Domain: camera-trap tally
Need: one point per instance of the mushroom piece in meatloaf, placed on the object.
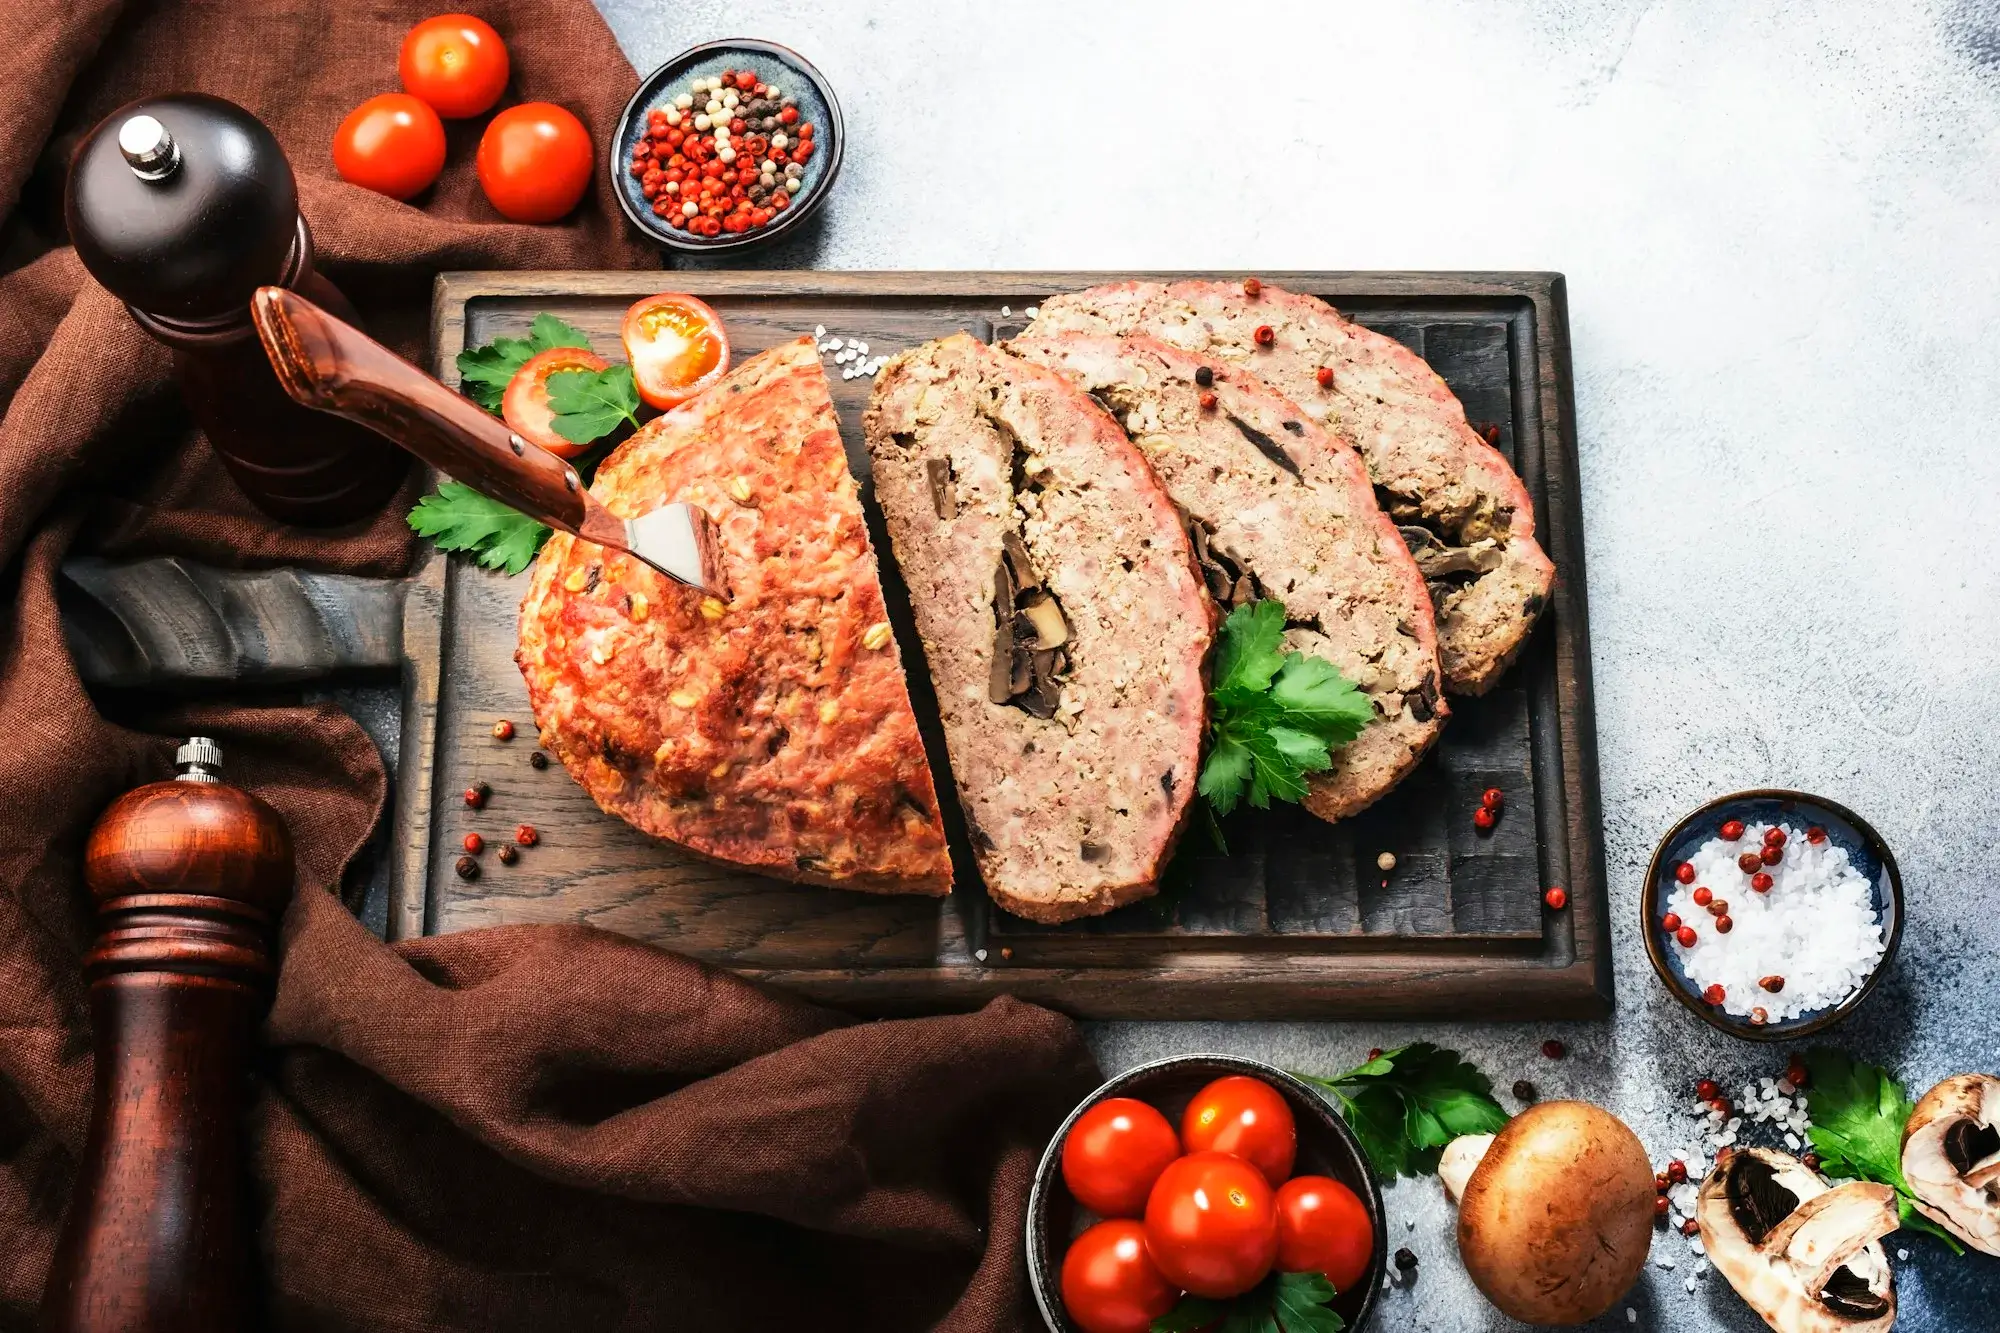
(1277, 508)
(1062, 619)
(772, 731)
(1466, 516)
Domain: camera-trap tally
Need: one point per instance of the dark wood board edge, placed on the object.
(1214, 985)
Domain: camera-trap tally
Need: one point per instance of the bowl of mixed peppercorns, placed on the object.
(727, 145)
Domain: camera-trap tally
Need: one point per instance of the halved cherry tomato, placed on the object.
(1323, 1227)
(455, 62)
(1212, 1225)
(392, 144)
(534, 162)
(676, 346)
(1114, 1153)
(525, 404)
(1245, 1116)
(1109, 1284)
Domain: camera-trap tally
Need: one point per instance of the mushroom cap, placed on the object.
(1958, 1116)
(1555, 1222)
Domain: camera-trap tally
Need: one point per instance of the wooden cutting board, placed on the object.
(1296, 921)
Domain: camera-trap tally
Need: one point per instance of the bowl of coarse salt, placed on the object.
(1772, 914)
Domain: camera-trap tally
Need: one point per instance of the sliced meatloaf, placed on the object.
(1466, 516)
(771, 731)
(1278, 508)
(1062, 618)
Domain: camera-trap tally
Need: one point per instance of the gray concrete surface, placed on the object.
(1780, 228)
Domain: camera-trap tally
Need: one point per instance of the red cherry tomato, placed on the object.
(1245, 1116)
(1114, 1153)
(392, 144)
(455, 62)
(534, 162)
(1109, 1284)
(1212, 1225)
(677, 348)
(1323, 1227)
(525, 404)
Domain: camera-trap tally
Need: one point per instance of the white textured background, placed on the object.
(1779, 227)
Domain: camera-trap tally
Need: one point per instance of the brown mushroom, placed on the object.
(1804, 1255)
(1555, 1211)
(1951, 1157)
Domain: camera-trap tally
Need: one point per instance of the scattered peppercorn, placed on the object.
(1774, 837)
(476, 794)
(1732, 829)
(1324, 376)
(1204, 376)
(1719, 907)
(1708, 1089)
(1554, 1049)
(1386, 862)
(474, 844)
(1252, 288)
(1762, 881)
(1686, 936)
(1721, 1107)
(1375, 1053)
(1759, 1016)
(1006, 952)
(1406, 1260)
(1773, 984)
(1557, 899)
(1772, 855)
(539, 759)
(1703, 896)
(1724, 923)
(1677, 1171)
(509, 854)
(1484, 819)
(1493, 798)
(468, 869)
(1208, 400)
(1264, 335)
(526, 835)
(1524, 1091)
(503, 730)
(1660, 1182)
(1659, 1205)
(1684, 872)
(1815, 835)
(1749, 863)
(730, 162)
(1492, 433)
(1795, 1073)
(1671, 922)
(1810, 1161)
(1690, 1228)
(1715, 994)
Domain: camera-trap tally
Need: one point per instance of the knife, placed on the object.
(326, 363)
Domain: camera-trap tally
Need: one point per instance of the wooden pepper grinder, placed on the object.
(182, 206)
(188, 879)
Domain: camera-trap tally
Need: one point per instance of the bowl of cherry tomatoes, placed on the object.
(1202, 1187)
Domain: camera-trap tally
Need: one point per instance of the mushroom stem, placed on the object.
(1461, 1157)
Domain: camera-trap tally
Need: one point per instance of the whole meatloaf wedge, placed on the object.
(1278, 508)
(1466, 516)
(772, 731)
(1062, 619)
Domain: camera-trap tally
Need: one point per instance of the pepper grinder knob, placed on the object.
(149, 149)
(198, 760)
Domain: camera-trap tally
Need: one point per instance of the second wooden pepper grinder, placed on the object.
(188, 879)
(182, 206)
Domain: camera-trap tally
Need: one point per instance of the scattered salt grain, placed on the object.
(1816, 928)
(1902, 1254)
(819, 330)
(1005, 311)
(1631, 1315)
(1032, 312)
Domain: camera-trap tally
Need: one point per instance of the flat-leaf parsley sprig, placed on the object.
(1405, 1105)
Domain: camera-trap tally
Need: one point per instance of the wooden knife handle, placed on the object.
(327, 363)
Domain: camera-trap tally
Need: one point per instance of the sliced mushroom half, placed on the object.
(1951, 1157)
(1804, 1255)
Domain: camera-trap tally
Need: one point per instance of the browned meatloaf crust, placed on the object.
(772, 731)
(1281, 509)
(1465, 514)
(1062, 618)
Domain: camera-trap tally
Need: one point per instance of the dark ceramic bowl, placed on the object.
(1865, 851)
(1326, 1148)
(784, 69)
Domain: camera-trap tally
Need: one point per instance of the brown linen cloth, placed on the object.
(515, 1129)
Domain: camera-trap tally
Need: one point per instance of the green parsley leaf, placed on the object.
(458, 518)
(483, 371)
(1274, 717)
(1192, 1314)
(590, 404)
(1281, 1303)
(1406, 1105)
(1300, 1302)
(1859, 1112)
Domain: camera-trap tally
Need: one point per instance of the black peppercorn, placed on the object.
(468, 869)
(1406, 1260)
(1204, 376)
(538, 759)
(1524, 1091)
(509, 854)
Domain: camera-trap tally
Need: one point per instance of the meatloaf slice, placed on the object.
(1062, 618)
(1278, 508)
(1466, 516)
(772, 731)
